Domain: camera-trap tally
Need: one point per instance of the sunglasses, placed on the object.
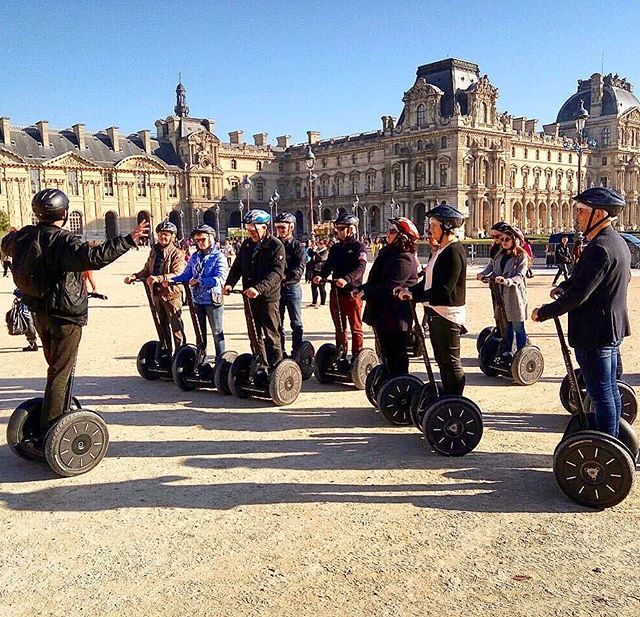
(506, 238)
(392, 230)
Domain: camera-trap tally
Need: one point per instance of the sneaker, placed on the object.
(31, 347)
(312, 306)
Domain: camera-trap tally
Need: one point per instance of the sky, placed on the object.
(285, 67)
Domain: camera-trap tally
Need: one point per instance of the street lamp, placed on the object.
(273, 203)
(364, 219)
(310, 162)
(246, 183)
(198, 213)
(355, 205)
(181, 230)
(217, 211)
(241, 207)
(319, 210)
(582, 142)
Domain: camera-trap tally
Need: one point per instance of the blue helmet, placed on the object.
(166, 226)
(259, 217)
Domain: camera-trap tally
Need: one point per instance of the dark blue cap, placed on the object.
(601, 197)
(444, 211)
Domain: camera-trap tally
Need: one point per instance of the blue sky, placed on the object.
(287, 67)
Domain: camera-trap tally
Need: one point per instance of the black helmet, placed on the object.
(204, 229)
(166, 226)
(285, 217)
(499, 226)
(346, 219)
(449, 217)
(602, 198)
(50, 205)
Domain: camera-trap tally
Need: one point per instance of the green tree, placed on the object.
(4, 221)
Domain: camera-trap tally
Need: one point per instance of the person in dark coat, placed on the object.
(443, 291)
(595, 299)
(395, 266)
(563, 259)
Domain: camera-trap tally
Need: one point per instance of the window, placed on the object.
(513, 150)
(396, 178)
(338, 161)
(108, 184)
(75, 223)
(604, 136)
(234, 190)
(570, 157)
(526, 153)
(559, 157)
(324, 162)
(604, 161)
(419, 175)
(548, 155)
(338, 186)
(34, 176)
(324, 187)
(354, 159)
(72, 180)
(371, 183)
(537, 155)
(234, 164)
(421, 115)
(443, 174)
(260, 191)
(205, 183)
(485, 113)
(141, 183)
(370, 156)
(444, 142)
(604, 181)
(173, 186)
(354, 184)
(396, 149)
(258, 165)
(280, 166)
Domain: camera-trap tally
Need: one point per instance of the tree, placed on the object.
(4, 221)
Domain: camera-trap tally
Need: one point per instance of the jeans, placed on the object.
(515, 328)
(599, 367)
(291, 301)
(214, 315)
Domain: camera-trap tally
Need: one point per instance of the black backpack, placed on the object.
(29, 270)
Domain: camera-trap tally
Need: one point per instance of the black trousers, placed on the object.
(266, 317)
(314, 293)
(562, 269)
(60, 342)
(445, 340)
(393, 346)
(6, 266)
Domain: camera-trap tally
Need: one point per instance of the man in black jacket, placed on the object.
(54, 290)
(347, 262)
(595, 298)
(563, 259)
(291, 292)
(260, 262)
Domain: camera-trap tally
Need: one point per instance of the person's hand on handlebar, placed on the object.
(193, 282)
(128, 280)
(556, 292)
(402, 293)
(317, 280)
(227, 289)
(357, 294)
(153, 279)
(251, 293)
(481, 277)
(500, 280)
(341, 283)
(534, 315)
(141, 230)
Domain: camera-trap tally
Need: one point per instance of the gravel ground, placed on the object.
(209, 505)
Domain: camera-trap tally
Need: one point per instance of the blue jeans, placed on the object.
(214, 314)
(515, 328)
(291, 300)
(599, 367)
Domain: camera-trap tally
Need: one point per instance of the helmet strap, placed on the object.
(591, 226)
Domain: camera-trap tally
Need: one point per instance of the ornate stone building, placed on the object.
(450, 143)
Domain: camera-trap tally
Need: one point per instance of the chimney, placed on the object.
(145, 138)
(313, 137)
(78, 130)
(114, 136)
(236, 137)
(530, 126)
(284, 141)
(43, 129)
(596, 95)
(5, 129)
(518, 124)
(260, 139)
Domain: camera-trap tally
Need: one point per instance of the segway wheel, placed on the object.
(76, 443)
(221, 371)
(239, 375)
(377, 376)
(485, 333)
(304, 357)
(322, 362)
(567, 397)
(394, 398)
(146, 359)
(285, 382)
(487, 356)
(421, 401)
(453, 425)
(593, 469)
(629, 402)
(184, 366)
(527, 366)
(23, 430)
(361, 367)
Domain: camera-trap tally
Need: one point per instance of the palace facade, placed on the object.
(450, 143)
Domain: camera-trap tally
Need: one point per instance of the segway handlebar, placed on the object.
(573, 381)
(95, 294)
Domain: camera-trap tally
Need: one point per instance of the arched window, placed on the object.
(604, 136)
(75, 223)
(110, 225)
(419, 175)
(234, 164)
(259, 165)
(421, 115)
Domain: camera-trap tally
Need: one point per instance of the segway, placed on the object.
(527, 364)
(592, 468)
(74, 444)
(251, 375)
(331, 363)
(627, 393)
(154, 359)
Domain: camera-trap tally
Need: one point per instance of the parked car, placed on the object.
(634, 248)
(554, 240)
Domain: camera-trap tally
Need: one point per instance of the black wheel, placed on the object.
(23, 430)
(421, 401)
(184, 366)
(76, 443)
(629, 401)
(376, 377)
(239, 374)
(567, 397)
(146, 359)
(304, 356)
(487, 356)
(453, 425)
(285, 382)
(361, 367)
(593, 469)
(323, 361)
(485, 333)
(221, 371)
(527, 366)
(394, 398)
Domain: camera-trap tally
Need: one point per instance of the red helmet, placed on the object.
(515, 233)
(406, 227)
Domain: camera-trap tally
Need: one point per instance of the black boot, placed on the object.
(31, 347)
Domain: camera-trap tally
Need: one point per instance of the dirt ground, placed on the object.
(209, 505)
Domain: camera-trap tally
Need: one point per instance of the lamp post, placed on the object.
(319, 211)
(273, 203)
(582, 142)
(364, 219)
(247, 184)
(241, 208)
(181, 230)
(198, 213)
(217, 211)
(310, 162)
(355, 206)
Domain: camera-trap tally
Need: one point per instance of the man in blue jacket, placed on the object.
(206, 272)
(595, 298)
